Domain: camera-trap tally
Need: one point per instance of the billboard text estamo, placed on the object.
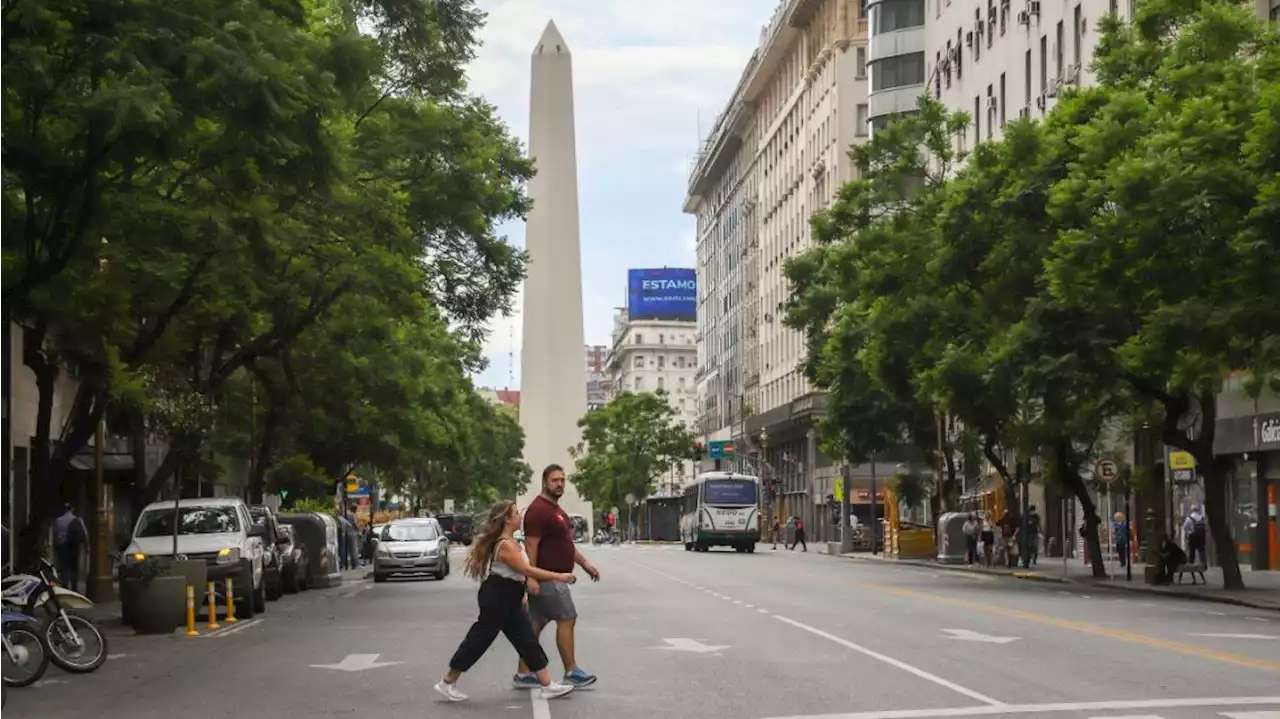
(662, 294)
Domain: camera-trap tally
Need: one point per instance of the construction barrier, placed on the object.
(231, 602)
(213, 605)
(191, 612)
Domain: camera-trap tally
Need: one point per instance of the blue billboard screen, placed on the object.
(665, 294)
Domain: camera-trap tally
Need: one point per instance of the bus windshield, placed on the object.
(729, 492)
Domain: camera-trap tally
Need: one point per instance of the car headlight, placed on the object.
(135, 558)
(384, 551)
(228, 555)
(431, 552)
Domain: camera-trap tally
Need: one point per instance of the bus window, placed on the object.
(729, 492)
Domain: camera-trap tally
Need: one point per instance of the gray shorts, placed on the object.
(552, 603)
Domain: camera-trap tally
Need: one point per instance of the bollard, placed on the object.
(231, 602)
(191, 612)
(213, 606)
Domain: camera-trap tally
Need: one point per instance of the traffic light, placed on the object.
(697, 451)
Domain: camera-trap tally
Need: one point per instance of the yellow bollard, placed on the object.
(213, 606)
(191, 612)
(231, 602)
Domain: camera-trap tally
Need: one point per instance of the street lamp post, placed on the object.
(765, 480)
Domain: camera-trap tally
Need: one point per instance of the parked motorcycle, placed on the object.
(25, 656)
(75, 643)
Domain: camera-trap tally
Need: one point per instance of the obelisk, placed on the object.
(553, 375)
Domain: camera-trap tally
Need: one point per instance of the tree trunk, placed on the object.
(1069, 474)
(44, 493)
(258, 482)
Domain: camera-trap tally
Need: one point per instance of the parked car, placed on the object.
(412, 546)
(294, 567)
(458, 528)
(319, 536)
(270, 551)
(217, 530)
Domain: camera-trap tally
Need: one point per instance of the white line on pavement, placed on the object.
(1131, 716)
(1251, 715)
(541, 710)
(1037, 708)
(239, 626)
(893, 662)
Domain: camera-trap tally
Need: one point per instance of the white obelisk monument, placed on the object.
(553, 375)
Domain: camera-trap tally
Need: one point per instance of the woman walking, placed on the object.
(502, 565)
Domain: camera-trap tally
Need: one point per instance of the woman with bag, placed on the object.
(501, 565)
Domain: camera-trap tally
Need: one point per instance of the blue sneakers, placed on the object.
(525, 681)
(579, 678)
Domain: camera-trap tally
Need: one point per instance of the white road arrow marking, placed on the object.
(356, 663)
(1240, 636)
(690, 645)
(968, 635)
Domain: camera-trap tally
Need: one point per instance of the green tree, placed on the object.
(1171, 247)
(626, 445)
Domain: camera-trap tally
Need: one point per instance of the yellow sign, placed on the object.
(839, 490)
(1181, 460)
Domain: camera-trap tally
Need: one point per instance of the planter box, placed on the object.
(194, 573)
(155, 606)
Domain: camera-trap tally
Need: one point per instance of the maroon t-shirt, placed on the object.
(551, 525)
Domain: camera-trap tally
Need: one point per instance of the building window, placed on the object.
(662, 359)
(898, 15)
(861, 67)
(1076, 30)
(990, 114)
(639, 338)
(1026, 79)
(639, 363)
(860, 122)
(898, 71)
(661, 340)
(680, 383)
(977, 120)
(661, 384)
(639, 383)
(1002, 94)
(1044, 64)
(1058, 50)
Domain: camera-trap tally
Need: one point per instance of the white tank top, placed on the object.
(502, 569)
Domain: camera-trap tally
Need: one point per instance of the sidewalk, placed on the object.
(1262, 588)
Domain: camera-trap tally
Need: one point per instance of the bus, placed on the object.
(721, 509)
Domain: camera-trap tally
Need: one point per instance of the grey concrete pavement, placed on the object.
(718, 634)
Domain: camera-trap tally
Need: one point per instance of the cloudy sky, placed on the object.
(650, 77)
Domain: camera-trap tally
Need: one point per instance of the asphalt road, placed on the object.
(769, 635)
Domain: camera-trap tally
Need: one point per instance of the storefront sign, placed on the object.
(1266, 430)
(1257, 433)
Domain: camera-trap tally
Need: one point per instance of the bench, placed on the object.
(1194, 570)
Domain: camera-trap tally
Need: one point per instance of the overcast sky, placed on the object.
(650, 77)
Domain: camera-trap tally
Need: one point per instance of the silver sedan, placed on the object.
(411, 546)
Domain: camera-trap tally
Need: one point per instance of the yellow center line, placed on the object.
(1097, 630)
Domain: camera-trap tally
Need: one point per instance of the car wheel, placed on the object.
(244, 600)
(260, 597)
(379, 578)
(274, 587)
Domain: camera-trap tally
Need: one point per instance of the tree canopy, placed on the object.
(290, 210)
(1054, 287)
(626, 445)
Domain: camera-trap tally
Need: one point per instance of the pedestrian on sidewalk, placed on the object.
(777, 529)
(1008, 538)
(988, 541)
(972, 529)
(1031, 542)
(69, 536)
(1121, 538)
(799, 536)
(1197, 531)
(501, 566)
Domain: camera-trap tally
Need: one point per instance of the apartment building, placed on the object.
(650, 355)
(777, 154)
(897, 57)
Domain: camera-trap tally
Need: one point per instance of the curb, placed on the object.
(1101, 584)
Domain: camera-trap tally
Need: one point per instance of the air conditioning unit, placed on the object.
(991, 102)
(968, 39)
(1073, 75)
(1033, 7)
(954, 55)
(1054, 85)
(1024, 111)
(1024, 18)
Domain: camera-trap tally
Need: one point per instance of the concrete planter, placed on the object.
(154, 606)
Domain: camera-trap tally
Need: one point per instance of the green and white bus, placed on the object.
(721, 509)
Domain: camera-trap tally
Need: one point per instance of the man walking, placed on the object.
(548, 540)
(69, 535)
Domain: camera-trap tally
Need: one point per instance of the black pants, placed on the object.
(800, 540)
(501, 610)
(1196, 547)
(970, 549)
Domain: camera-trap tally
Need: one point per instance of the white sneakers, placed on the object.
(554, 690)
(450, 691)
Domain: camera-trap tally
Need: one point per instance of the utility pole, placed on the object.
(846, 512)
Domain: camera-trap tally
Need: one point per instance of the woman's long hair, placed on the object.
(486, 544)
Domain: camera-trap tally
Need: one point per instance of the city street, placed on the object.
(768, 635)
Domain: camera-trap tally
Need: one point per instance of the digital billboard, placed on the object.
(662, 294)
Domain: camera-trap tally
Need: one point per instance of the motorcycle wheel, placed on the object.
(65, 654)
(37, 656)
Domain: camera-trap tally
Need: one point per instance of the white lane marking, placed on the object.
(541, 710)
(763, 611)
(1259, 619)
(1239, 636)
(1035, 708)
(1131, 716)
(892, 662)
(1250, 715)
(749, 606)
(239, 626)
(737, 601)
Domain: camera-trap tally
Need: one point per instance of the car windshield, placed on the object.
(729, 491)
(409, 532)
(191, 520)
